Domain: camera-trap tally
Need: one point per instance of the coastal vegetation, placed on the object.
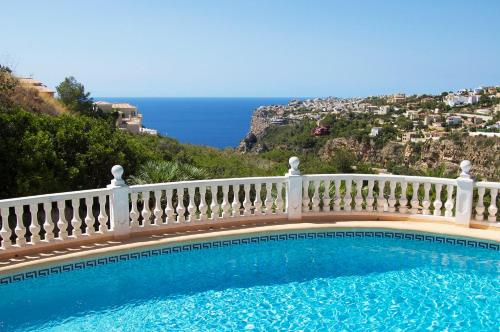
(52, 145)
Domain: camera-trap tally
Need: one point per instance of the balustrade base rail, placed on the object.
(119, 211)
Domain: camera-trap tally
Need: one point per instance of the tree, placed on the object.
(343, 160)
(485, 100)
(72, 94)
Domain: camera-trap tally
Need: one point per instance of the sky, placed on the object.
(254, 48)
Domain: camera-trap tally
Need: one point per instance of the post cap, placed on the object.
(294, 166)
(117, 172)
(465, 166)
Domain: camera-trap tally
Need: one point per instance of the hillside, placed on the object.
(46, 146)
(349, 138)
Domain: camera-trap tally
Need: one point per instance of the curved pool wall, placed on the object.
(242, 240)
(349, 279)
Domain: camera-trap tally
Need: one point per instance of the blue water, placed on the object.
(353, 284)
(217, 122)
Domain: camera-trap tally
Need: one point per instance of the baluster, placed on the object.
(34, 226)
(20, 230)
(235, 206)
(203, 203)
(279, 197)
(369, 197)
(269, 199)
(426, 203)
(347, 196)
(181, 209)
(359, 196)
(326, 196)
(103, 217)
(5, 232)
(191, 206)
(48, 224)
(492, 209)
(403, 200)
(257, 202)
(62, 224)
(336, 202)
(214, 205)
(392, 196)
(381, 197)
(158, 211)
(315, 199)
(146, 211)
(247, 203)
(225, 206)
(480, 204)
(89, 218)
(415, 203)
(437, 202)
(306, 200)
(169, 209)
(76, 221)
(134, 212)
(449, 201)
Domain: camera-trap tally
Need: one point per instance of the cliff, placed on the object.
(484, 153)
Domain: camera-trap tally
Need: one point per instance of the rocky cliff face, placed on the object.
(258, 125)
(484, 153)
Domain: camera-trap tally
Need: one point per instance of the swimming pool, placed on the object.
(336, 280)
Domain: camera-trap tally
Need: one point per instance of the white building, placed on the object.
(459, 100)
(375, 131)
(129, 118)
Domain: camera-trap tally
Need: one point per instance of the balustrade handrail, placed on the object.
(55, 197)
(197, 183)
(124, 210)
(385, 177)
(486, 184)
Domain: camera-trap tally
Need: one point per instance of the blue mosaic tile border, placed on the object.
(242, 241)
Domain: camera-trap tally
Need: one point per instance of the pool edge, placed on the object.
(166, 240)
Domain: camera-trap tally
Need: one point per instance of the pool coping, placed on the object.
(109, 248)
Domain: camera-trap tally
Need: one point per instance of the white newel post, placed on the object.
(465, 187)
(118, 204)
(294, 190)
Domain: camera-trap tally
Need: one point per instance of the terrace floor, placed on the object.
(166, 237)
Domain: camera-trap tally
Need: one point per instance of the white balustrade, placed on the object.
(43, 220)
(121, 210)
(366, 201)
(487, 191)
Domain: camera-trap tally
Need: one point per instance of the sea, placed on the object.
(216, 122)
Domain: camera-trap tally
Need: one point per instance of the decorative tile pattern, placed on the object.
(245, 241)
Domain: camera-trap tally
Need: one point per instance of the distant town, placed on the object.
(428, 116)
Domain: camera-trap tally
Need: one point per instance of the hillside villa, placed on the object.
(129, 118)
(31, 83)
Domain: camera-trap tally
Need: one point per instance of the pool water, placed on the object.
(354, 284)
